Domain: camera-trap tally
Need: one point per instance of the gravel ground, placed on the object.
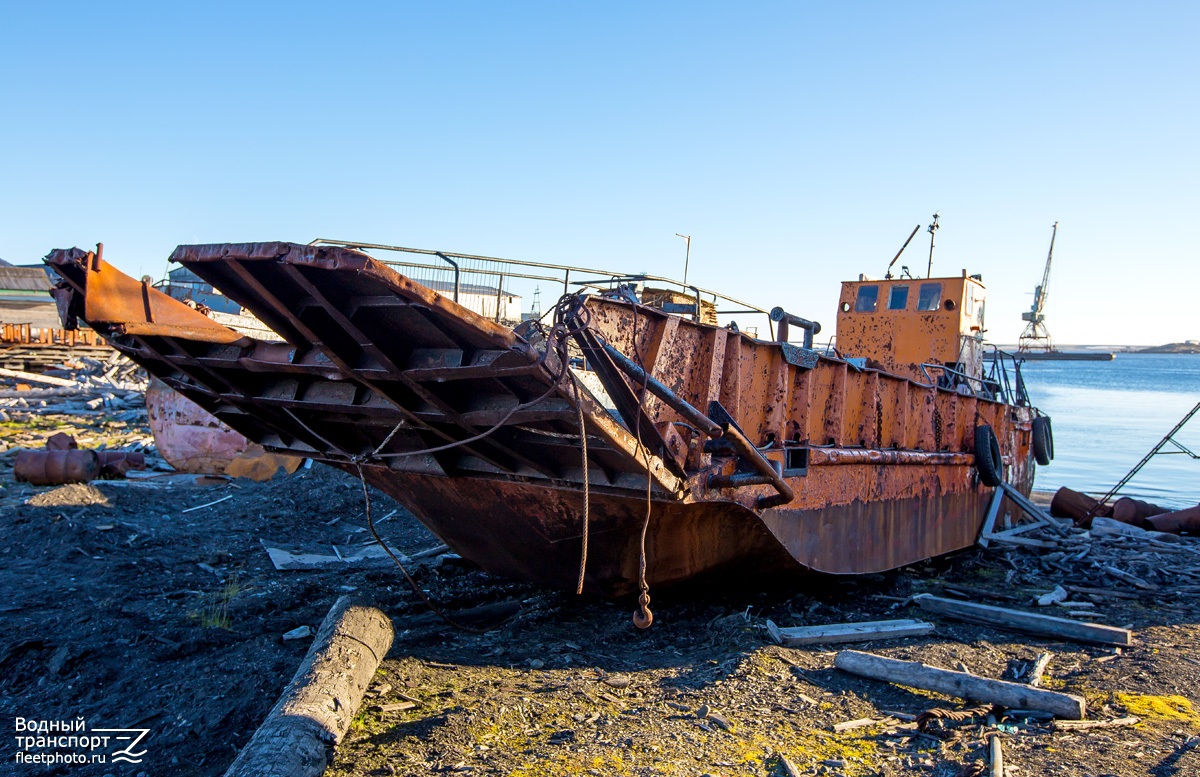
(122, 609)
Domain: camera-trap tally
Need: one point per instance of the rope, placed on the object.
(946, 715)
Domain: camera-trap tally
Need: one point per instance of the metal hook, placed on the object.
(642, 617)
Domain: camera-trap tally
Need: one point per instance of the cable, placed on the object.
(556, 342)
(643, 617)
(371, 525)
(583, 553)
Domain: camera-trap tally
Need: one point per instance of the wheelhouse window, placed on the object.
(868, 297)
(898, 298)
(930, 296)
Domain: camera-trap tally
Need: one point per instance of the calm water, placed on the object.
(1108, 415)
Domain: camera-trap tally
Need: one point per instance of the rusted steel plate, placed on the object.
(108, 296)
(187, 436)
(541, 529)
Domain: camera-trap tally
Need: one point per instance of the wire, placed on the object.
(379, 540)
(583, 553)
(556, 342)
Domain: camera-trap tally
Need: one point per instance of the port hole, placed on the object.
(795, 461)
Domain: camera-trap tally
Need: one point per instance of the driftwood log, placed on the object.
(315, 710)
(965, 686)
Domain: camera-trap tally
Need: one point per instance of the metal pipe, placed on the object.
(760, 463)
(687, 258)
(785, 318)
(738, 480)
(516, 262)
(673, 400)
(888, 275)
(453, 264)
(696, 316)
(933, 228)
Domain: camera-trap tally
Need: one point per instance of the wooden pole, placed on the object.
(1019, 620)
(316, 708)
(965, 686)
(31, 377)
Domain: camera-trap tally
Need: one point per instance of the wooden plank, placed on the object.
(989, 522)
(1083, 725)
(1039, 669)
(1033, 510)
(995, 756)
(1019, 620)
(1025, 541)
(848, 632)
(965, 686)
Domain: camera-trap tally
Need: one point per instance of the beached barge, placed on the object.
(737, 454)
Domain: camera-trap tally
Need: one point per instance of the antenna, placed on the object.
(888, 276)
(535, 309)
(933, 228)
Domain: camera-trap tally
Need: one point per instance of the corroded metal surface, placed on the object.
(187, 436)
(899, 324)
(107, 295)
(52, 468)
(820, 464)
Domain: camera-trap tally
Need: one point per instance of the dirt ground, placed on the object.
(125, 607)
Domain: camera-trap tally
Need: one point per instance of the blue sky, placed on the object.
(797, 143)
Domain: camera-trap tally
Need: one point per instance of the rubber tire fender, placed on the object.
(1043, 440)
(988, 459)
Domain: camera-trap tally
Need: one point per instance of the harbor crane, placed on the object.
(1036, 336)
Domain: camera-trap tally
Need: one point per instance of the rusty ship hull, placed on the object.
(749, 456)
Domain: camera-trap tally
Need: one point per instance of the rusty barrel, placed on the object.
(114, 464)
(1135, 511)
(52, 468)
(1187, 520)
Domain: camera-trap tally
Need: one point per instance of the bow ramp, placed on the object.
(373, 368)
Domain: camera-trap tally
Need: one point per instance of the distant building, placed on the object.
(25, 297)
(480, 299)
(183, 285)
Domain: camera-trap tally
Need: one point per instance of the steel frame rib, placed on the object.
(297, 276)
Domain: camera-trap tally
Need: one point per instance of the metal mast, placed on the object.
(1036, 336)
(933, 228)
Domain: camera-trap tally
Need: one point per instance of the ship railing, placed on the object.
(1014, 391)
(494, 287)
(995, 386)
